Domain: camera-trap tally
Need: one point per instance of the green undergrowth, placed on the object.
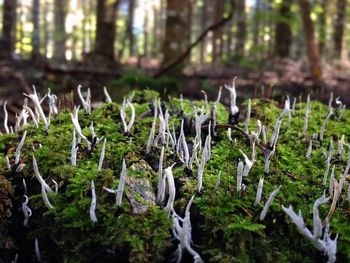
(225, 223)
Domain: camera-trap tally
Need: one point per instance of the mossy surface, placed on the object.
(225, 223)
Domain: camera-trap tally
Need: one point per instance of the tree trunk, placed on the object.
(45, 29)
(145, 35)
(176, 28)
(339, 28)
(190, 20)
(35, 33)
(130, 26)
(8, 28)
(322, 28)
(60, 32)
(310, 41)
(204, 19)
(106, 29)
(256, 26)
(283, 34)
(217, 34)
(241, 28)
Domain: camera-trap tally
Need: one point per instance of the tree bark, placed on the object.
(106, 29)
(256, 26)
(176, 29)
(60, 32)
(204, 19)
(145, 36)
(35, 33)
(339, 28)
(283, 34)
(310, 41)
(217, 34)
(129, 28)
(241, 28)
(8, 28)
(322, 27)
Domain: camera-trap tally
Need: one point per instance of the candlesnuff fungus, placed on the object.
(6, 119)
(125, 104)
(85, 102)
(309, 150)
(121, 185)
(323, 128)
(27, 212)
(102, 155)
(108, 98)
(37, 250)
(75, 121)
(307, 114)
(152, 132)
(327, 245)
(331, 181)
(45, 198)
(19, 148)
(52, 104)
(38, 176)
(56, 185)
(328, 161)
(74, 150)
(184, 235)
(259, 191)
(217, 184)
(239, 175)
(171, 189)
(93, 203)
(206, 100)
(341, 143)
(204, 159)
(248, 164)
(35, 99)
(182, 147)
(161, 180)
(232, 90)
(269, 202)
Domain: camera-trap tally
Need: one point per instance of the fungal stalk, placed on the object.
(171, 188)
(259, 191)
(74, 150)
(184, 235)
(182, 145)
(307, 114)
(341, 143)
(153, 129)
(37, 250)
(35, 99)
(45, 198)
(309, 150)
(27, 212)
(239, 175)
(121, 185)
(161, 180)
(331, 181)
(323, 128)
(75, 121)
(217, 184)
(108, 98)
(268, 203)
(248, 164)
(93, 203)
(52, 103)
(328, 161)
(206, 100)
(127, 127)
(85, 102)
(102, 155)
(7, 130)
(38, 176)
(232, 90)
(19, 148)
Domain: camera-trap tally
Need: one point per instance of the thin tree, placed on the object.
(106, 29)
(204, 20)
(241, 28)
(322, 25)
(35, 33)
(130, 26)
(217, 34)
(310, 40)
(60, 31)
(339, 28)
(8, 28)
(283, 33)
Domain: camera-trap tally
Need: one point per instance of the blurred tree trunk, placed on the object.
(339, 28)
(60, 7)
(241, 28)
(256, 25)
(229, 39)
(217, 34)
(45, 25)
(176, 28)
(310, 40)
(20, 28)
(283, 34)
(84, 22)
(35, 33)
(190, 19)
(145, 36)
(322, 28)
(129, 27)
(8, 28)
(204, 19)
(105, 29)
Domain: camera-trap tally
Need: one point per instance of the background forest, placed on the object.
(179, 46)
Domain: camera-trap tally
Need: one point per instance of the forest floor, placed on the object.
(277, 79)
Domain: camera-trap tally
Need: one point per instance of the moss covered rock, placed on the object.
(225, 222)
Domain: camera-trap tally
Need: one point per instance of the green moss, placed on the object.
(225, 223)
